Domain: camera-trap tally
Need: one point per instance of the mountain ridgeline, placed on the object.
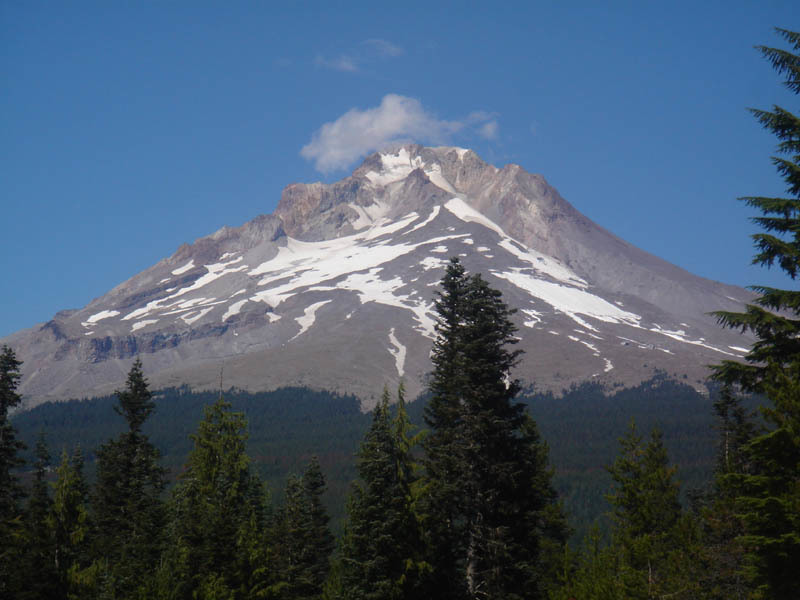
(335, 291)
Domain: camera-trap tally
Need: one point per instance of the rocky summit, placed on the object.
(335, 290)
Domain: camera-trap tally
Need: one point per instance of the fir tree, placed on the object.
(128, 512)
(11, 526)
(40, 549)
(654, 543)
(381, 551)
(69, 522)
(217, 510)
(488, 493)
(768, 497)
(721, 525)
(301, 540)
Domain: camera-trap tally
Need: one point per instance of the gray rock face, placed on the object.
(335, 290)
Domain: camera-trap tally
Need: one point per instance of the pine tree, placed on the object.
(653, 540)
(217, 509)
(488, 493)
(42, 581)
(69, 522)
(128, 511)
(592, 573)
(301, 541)
(11, 526)
(381, 551)
(768, 498)
(721, 526)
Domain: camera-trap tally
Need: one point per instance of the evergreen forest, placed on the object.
(479, 490)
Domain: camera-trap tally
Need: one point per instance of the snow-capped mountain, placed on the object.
(335, 290)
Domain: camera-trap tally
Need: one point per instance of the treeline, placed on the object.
(289, 425)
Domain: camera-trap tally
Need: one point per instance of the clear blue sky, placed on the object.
(128, 128)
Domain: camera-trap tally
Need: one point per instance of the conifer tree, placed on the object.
(653, 541)
(488, 493)
(128, 511)
(721, 525)
(301, 539)
(11, 526)
(768, 497)
(382, 547)
(40, 548)
(216, 509)
(69, 522)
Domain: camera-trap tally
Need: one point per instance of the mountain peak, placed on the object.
(335, 290)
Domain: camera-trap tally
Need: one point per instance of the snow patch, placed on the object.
(398, 350)
(308, 318)
(234, 309)
(140, 324)
(431, 217)
(469, 215)
(184, 268)
(680, 335)
(431, 262)
(103, 314)
(570, 300)
(394, 167)
(542, 263)
(192, 317)
(534, 317)
(434, 173)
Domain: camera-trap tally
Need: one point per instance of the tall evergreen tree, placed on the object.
(488, 492)
(768, 498)
(69, 522)
(652, 539)
(11, 526)
(301, 540)
(721, 525)
(382, 547)
(39, 561)
(216, 508)
(128, 511)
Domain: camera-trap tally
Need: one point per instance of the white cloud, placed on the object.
(368, 51)
(488, 130)
(336, 145)
(341, 63)
(383, 47)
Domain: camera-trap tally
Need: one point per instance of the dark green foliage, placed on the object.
(487, 490)
(721, 525)
(645, 516)
(217, 507)
(127, 508)
(382, 549)
(69, 522)
(767, 496)
(39, 561)
(592, 573)
(290, 424)
(654, 546)
(11, 527)
(301, 541)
